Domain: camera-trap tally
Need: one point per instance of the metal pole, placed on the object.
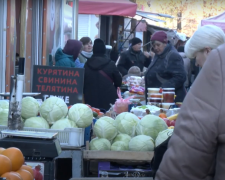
(75, 12)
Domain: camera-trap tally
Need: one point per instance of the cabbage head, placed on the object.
(122, 137)
(81, 114)
(120, 146)
(105, 128)
(162, 136)
(63, 123)
(151, 125)
(4, 104)
(141, 143)
(4, 117)
(100, 144)
(36, 122)
(29, 108)
(53, 109)
(126, 123)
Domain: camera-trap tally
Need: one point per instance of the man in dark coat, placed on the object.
(167, 67)
(133, 57)
(101, 78)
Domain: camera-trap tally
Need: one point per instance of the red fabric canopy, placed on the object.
(107, 7)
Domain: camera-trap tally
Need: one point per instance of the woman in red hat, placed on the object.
(167, 67)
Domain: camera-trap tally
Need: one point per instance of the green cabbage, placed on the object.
(4, 104)
(53, 109)
(120, 146)
(100, 144)
(126, 123)
(151, 125)
(141, 143)
(122, 137)
(4, 117)
(162, 136)
(81, 114)
(105, 128)
(30, 107)
(36, 122)
(63, 123)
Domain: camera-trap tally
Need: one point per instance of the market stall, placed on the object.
(50, 134)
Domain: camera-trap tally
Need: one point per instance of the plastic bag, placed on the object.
(121, 105)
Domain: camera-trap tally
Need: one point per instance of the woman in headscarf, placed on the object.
(197, 146)
(67, 56)
(101, 78)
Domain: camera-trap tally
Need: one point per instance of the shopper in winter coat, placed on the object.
(187, 66)
(197, 146)
(101, 78)
(86, 52)
(133, 57)
(167, 67)
(66, 57)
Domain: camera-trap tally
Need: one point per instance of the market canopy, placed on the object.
(107, 7)
(215, 20)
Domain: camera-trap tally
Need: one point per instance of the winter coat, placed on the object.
(99, 90)
(187, 67)
(131, 58)
(167, 71)
(197, 147)
(63, 60)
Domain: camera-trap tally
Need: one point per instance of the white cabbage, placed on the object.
(63, 123)
(151, 125)
(53, 109)
(4, 104)
(105, 128)
(122, 137)
(126, 123)
(81, 114)
(4, 117)
(141, 143)
(163, 136)
(36, 122)
(100, 144)
(29, 108)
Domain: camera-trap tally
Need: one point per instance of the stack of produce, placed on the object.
(12, 165)
(52, 114)
(128, 133)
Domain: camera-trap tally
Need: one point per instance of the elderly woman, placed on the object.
(167, 67)
(197, 146)
(87, 49)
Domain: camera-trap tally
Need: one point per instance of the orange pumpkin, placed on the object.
(162, 114)
(1, 150)
(16, 157)
(25, 175)
(28, 168)
(5, 164)
(12, 176)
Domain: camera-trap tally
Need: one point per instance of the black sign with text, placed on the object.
(65, 83)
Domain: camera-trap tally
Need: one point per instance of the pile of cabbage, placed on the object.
(52, 114)
(128, 133)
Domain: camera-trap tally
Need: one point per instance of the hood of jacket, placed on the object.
(98, 62)
(59, 55)
(182, 54)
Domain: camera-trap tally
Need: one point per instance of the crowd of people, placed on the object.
(196, 148)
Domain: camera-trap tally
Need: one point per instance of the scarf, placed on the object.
(87, 54)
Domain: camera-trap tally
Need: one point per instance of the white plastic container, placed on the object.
(69, 137)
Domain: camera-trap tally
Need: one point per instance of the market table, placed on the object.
(127, 157)
(149, 178)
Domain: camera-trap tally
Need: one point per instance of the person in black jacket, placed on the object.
(167, 67)
(133, 57)
(101, 78)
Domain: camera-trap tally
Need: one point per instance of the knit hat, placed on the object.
(73, 48)
(135, 41)
(134, 71)
(159, 36)
(99, 47)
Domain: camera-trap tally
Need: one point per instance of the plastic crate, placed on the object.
(72, 137)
